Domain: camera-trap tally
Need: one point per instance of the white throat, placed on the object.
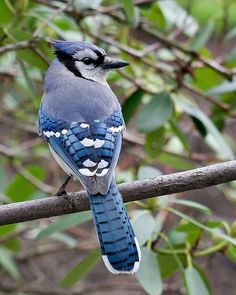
(96, 74)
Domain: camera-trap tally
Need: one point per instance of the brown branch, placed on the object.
(141, 189)
(17, 46)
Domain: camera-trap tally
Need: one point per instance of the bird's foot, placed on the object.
(61, 193)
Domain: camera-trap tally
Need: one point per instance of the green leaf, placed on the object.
(64, 223)
(20, 189)
(206, 78)
(131, 103)
(17, 34)
(64, 239)
(81, 269)
(185, 22)
(199, 126)
(148, 274)
(155, 113)
(85, 4)
(192, 204)
(231, 34)
(155, 16)
(216, 232)
(7, 262)
(6, 14)
(203, 36)
(154, 141)
(231, 56)
(175, 161)
(168, 264)
(191, 231)
(194, 282)
(225, 87)
(128, 6)
(231, 253)
(144, 225)
(181, 136)
(213, 138)
(31, 58)
(28, 81)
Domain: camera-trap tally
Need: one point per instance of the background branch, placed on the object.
(142, 189)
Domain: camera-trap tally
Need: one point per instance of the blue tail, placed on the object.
(119, 247)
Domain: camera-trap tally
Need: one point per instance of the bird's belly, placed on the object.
(63, 165)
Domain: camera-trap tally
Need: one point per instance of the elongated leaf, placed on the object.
(175, 161)
(28, 81)
(179, 17)
(64, 223)
(155, 16)
(149, 273)
(128, 6)
(206, 78)
(168, 264)
(81, 269)
(214, 138)
(194, 282)
(85, 4)
(231, 34)
(6, 260)
(156, 113)
(143, 225)
(154, 141)
(181, 136)
(192, 204)
(65, 239)
(131, 103)
(6, 14)
(223, 88)
(216, 232)
(204, 35)
(20, 189)
(191, 231)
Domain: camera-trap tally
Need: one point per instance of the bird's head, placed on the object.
(86, 60)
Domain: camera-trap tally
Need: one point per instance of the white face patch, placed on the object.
(85, 53)
(91, 72)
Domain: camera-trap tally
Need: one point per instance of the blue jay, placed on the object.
(81, 120)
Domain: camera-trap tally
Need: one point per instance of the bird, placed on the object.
(81, 120)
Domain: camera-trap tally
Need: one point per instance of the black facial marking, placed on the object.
(68, 62)
(100, 58)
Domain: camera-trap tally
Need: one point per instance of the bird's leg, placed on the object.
(62, 189)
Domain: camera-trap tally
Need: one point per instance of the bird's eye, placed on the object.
(87, 60)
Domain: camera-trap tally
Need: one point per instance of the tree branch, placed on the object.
(141, 189)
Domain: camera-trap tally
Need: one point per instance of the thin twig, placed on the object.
(32, 179)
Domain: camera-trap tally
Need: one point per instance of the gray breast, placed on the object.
(71, 98)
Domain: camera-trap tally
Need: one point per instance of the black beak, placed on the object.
(110, 64)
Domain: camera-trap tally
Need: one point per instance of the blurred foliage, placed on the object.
(178, 100)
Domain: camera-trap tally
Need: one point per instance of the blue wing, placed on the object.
(86, 150)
